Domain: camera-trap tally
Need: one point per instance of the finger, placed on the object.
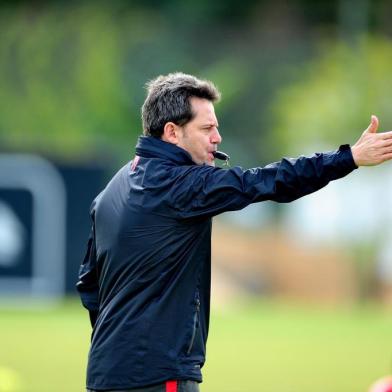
(386, 157)
(385, 135)
(373, 126)
(384, 143)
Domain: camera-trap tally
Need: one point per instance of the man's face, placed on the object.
(200, 136)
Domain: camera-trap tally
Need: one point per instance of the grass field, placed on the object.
(258, 346)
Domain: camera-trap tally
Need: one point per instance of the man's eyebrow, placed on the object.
(209, 125)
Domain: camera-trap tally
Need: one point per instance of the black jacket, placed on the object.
(146, 276)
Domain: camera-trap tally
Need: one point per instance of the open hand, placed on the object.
(372, 148)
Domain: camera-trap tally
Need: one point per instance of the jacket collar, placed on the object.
(152, 147)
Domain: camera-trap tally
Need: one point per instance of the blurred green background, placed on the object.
(296, 76)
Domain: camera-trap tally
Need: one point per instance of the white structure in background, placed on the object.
(12, 236)
(352, 210)
(347, 210)
(42, 180)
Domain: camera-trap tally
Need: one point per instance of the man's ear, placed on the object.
(170, 133)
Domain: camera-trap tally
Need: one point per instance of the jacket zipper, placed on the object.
(195, 319)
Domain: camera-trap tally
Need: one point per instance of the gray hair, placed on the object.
(168, 100)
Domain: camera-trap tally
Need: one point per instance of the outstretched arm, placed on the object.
(372, 148)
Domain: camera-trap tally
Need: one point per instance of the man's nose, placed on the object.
(216, 138)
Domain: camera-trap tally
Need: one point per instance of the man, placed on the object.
(146, 276)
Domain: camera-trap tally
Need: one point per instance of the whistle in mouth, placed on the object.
(221, 155)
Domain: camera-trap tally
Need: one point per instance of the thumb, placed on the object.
(373, 126)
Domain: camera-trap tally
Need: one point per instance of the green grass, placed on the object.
(258, 346)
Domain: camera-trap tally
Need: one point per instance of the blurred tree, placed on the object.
(60, 80)
(71, 78)
(334, 96)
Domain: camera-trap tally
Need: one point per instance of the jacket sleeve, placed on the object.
(208, 191)
(87, 284)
